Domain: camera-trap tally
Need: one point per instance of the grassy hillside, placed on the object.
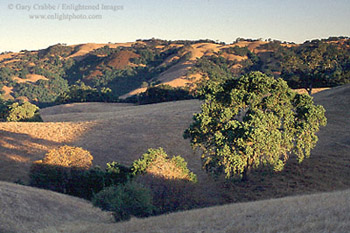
(26, 209)
(326, 212)
(124, 132)
(23, 143)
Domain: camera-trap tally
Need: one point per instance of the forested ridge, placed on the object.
(63, 74)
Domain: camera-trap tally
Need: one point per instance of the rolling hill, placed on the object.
(123, 132)
(326, 212)
(130, 68)
(26, 209)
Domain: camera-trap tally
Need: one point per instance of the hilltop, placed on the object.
(126, 69)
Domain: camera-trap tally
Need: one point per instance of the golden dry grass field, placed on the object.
(27, 209)
(123, 132)
(326, 212)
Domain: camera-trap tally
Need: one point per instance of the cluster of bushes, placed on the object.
(80, 92)
(123, 190)
(19, 111)
(163, 93)
(43, 92)
(170, 182)
(68, 170)
(61, 50)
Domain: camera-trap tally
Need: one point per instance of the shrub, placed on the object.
(117, 174)
(68, 156)
(58, 169)
(130, 199)
(157, 163)
(48, 176)
(20, 112)
(66, 170)
(163, 93)
(169, 179)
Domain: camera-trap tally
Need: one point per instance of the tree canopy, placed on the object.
(15, 111)
(251, 121)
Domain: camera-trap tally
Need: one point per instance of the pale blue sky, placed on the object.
(223, 20)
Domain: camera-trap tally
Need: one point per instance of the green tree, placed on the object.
(314, 64)
(19, 111)
(251, 121)
(163, 93)
(130, 199)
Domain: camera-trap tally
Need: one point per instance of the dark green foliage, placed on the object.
(23, 73)
(42, 92)
(130, 199)
(14, 111)
(312, 64)
(6, 75)
(117, 174)
(56, 50)
(78, 182)
(273, 45)
(240, 51)
(83, 93)
(252, 121)
(105, 51)
(316, 64)
(171, 195)
(163, 93)
(217, 68)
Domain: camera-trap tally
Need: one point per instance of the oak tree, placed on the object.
(251, 121)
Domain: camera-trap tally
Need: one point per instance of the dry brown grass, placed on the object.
(29, 78)
(122, 59)
(124, 132)
(176, 75)
(26, 209)
(83, 49)
(7, 56)
(314, 90)
(7, 92)
(326, 212)
(22, 143)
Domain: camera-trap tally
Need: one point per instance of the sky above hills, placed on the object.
(35, 24)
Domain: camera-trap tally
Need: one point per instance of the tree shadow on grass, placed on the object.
(172, 195)
(17, 152)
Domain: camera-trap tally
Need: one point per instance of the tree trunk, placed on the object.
(309, 89)
(245, 176)
(247, 170)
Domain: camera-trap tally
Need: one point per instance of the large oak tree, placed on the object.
(251, 121)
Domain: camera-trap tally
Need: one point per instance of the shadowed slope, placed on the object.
(21, 143)
(326, 212)
(26, 209)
